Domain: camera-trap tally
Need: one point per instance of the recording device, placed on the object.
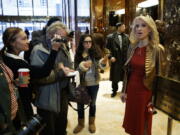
(60, 40)
(33, 126)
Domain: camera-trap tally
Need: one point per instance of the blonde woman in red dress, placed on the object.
(146, 59)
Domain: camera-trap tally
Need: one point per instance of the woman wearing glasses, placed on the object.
(88, 61)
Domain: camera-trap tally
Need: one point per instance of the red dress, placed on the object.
(138, 97)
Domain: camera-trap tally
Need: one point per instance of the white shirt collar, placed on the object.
(14, 56)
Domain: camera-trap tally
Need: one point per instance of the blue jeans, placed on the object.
(92, 91)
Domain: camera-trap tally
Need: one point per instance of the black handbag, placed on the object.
(78, 94)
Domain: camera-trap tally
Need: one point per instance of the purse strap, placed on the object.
(75, 109)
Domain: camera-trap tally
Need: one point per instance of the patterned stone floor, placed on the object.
(110, 112)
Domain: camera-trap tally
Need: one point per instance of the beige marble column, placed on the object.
(161, 10)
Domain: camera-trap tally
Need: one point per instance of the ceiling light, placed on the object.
(120, 12)
(148, 3)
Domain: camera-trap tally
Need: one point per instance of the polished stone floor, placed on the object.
(109, 117)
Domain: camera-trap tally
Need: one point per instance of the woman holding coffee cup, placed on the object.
(15, 41)
(88, 61)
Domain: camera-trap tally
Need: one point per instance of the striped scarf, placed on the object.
(9, 77)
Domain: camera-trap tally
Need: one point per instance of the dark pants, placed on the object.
(25, 101)
(92, 91)
(56, 123)
(114, 86)
(10, 130)
(24, 114)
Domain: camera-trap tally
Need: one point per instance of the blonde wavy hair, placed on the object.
(54, 27)
(153, 35)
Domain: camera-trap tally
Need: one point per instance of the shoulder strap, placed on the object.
(75, 109)
(4, 69)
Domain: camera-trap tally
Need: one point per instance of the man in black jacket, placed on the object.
(117, 43)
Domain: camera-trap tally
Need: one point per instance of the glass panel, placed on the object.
(40, 7)
(14, 24)
(26, 25)
(38, 25)
(83, 13)
(0, 7)
(10, 7)
(84, 27)
(83, 8)
(58, 8)
(72, 15)
(1, 32)
(54, 7)
(64, 9)
(25, 7)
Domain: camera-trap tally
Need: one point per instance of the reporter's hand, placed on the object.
(56, 45)
(66, 70)
(88, 64)
(113, 59)
(123, 97)
(24, 80)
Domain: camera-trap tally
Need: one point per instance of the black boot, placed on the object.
(114, 94)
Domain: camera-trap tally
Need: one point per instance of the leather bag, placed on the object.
(79, 94)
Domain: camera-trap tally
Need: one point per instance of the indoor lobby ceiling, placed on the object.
(113, 4)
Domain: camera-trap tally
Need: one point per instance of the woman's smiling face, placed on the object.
(21, 43)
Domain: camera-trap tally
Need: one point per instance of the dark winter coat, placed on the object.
(116, 71)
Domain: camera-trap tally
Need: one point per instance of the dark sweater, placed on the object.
(35, 72)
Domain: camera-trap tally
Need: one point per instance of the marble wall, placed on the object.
(172, 41)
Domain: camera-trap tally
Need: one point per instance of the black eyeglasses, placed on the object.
(87, 42)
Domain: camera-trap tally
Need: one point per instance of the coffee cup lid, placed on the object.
(23, 70)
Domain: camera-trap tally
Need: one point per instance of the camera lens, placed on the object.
(62, 40)
(32, 126)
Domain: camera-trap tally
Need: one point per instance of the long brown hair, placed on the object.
(93, 52)
(99, 42)
(153, 36)
(9, 36)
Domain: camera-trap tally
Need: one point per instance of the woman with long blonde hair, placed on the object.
(146, 59)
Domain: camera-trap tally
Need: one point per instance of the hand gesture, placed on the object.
(113, 59)
(23, 80)
(56, 45)
(66, 70)
(123, 97)
(88, 64)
